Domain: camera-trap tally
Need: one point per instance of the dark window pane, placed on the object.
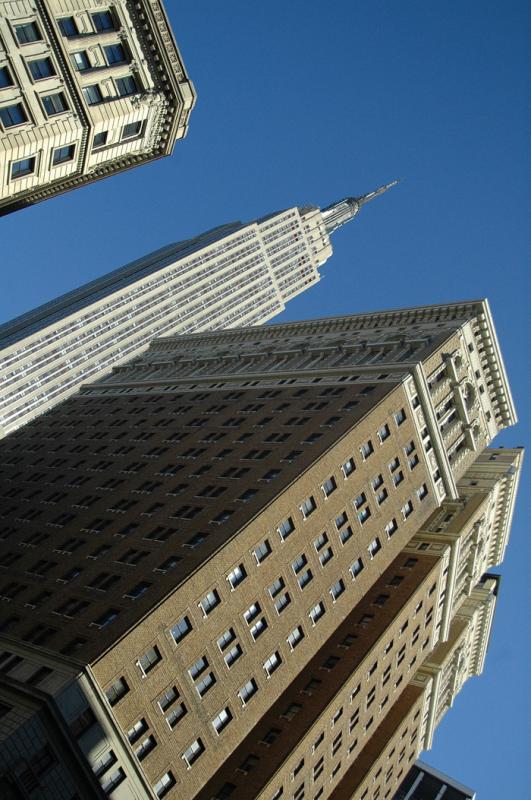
(41, 68)
(26, 166)
(103, 21)
(126, 86)
(29, 32)
(54, 103)
(115, 54)
(63, 154)
(100, 139)
(132, 129)
(13, 115)
(5, 78)
(68, 26)
(93, 94)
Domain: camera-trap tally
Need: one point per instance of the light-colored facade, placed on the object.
(87, 88)
(184, 537)
(236, 275)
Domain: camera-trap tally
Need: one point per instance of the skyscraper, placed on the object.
(208, 550)
(87, 89)
(238, 274)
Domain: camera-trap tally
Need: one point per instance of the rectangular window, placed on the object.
(126, 86)
(329, 486)
(317, 612)
(258, 628)
(262, 551)
(366, 449)
(400, 416)
(237, 576)
(384, 433)
(54, 103)
(149, 660)
(116, 691)
(13, 115)
(348, 467)
(251, 613)
(115, 54)
(164, 785)
(407, 509)
(41, 68)
(5, 78)
(92, 94)
(103, 21)
(356, 567)
(283, 602)
(26, 166)
(131, 130)
(100, 139)
(63, 154)
(222, 720)
(81, 61)
(286, 528)
(296, 636)
(209, 602)
(28, 32)
(422, 492)
(374, 547)
(391, 528)
(233, 655)
(247, 691)
(272, 663)
(67, 26)
(337, 589)
(308, 507)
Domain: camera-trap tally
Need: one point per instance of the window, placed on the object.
(28, 32)
(262, 551)
(63, 154)
(317, 612)
(394, 464)
(374, 547)
(100, 139)
(422, 492)
(407, 509)
(283, 602)
(164, 785)
(114, 780)
(233, 655)
(337, 589)
(308, 507)
(329, 486)
(226, 638)
(116, 691)
(222, 720)
(258, 628)
(126, 86)
(366, 449)
(175, 715)
(272, 663)
(103, 21)
(5, 78)
(149, 660)
(400, 417)
(348, 467)
(209, 602)
(134, 733)
(41, 68)
(296, 636)
(106, 618)
(92, 94)
(26, 166)
(13, 115)
(168, 698)
(115, 54)
(81, 61)
(286, 528)
(391, 528)
(398, 477)
(55, 103)
(131, 130)
(299, 563)
(252, 612)
(247, 691)
(384, 433)
(67, 26)
(356, 567)
(237, 576)
(145, 747)
(364, 514)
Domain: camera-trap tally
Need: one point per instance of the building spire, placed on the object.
(343, 211)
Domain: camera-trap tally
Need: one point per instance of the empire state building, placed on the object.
(239, 274)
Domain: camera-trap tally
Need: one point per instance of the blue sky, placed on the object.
(305, 102)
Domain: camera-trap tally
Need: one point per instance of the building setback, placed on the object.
(426, 783)
(236, 275)
(87, 89)
(209, 526)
